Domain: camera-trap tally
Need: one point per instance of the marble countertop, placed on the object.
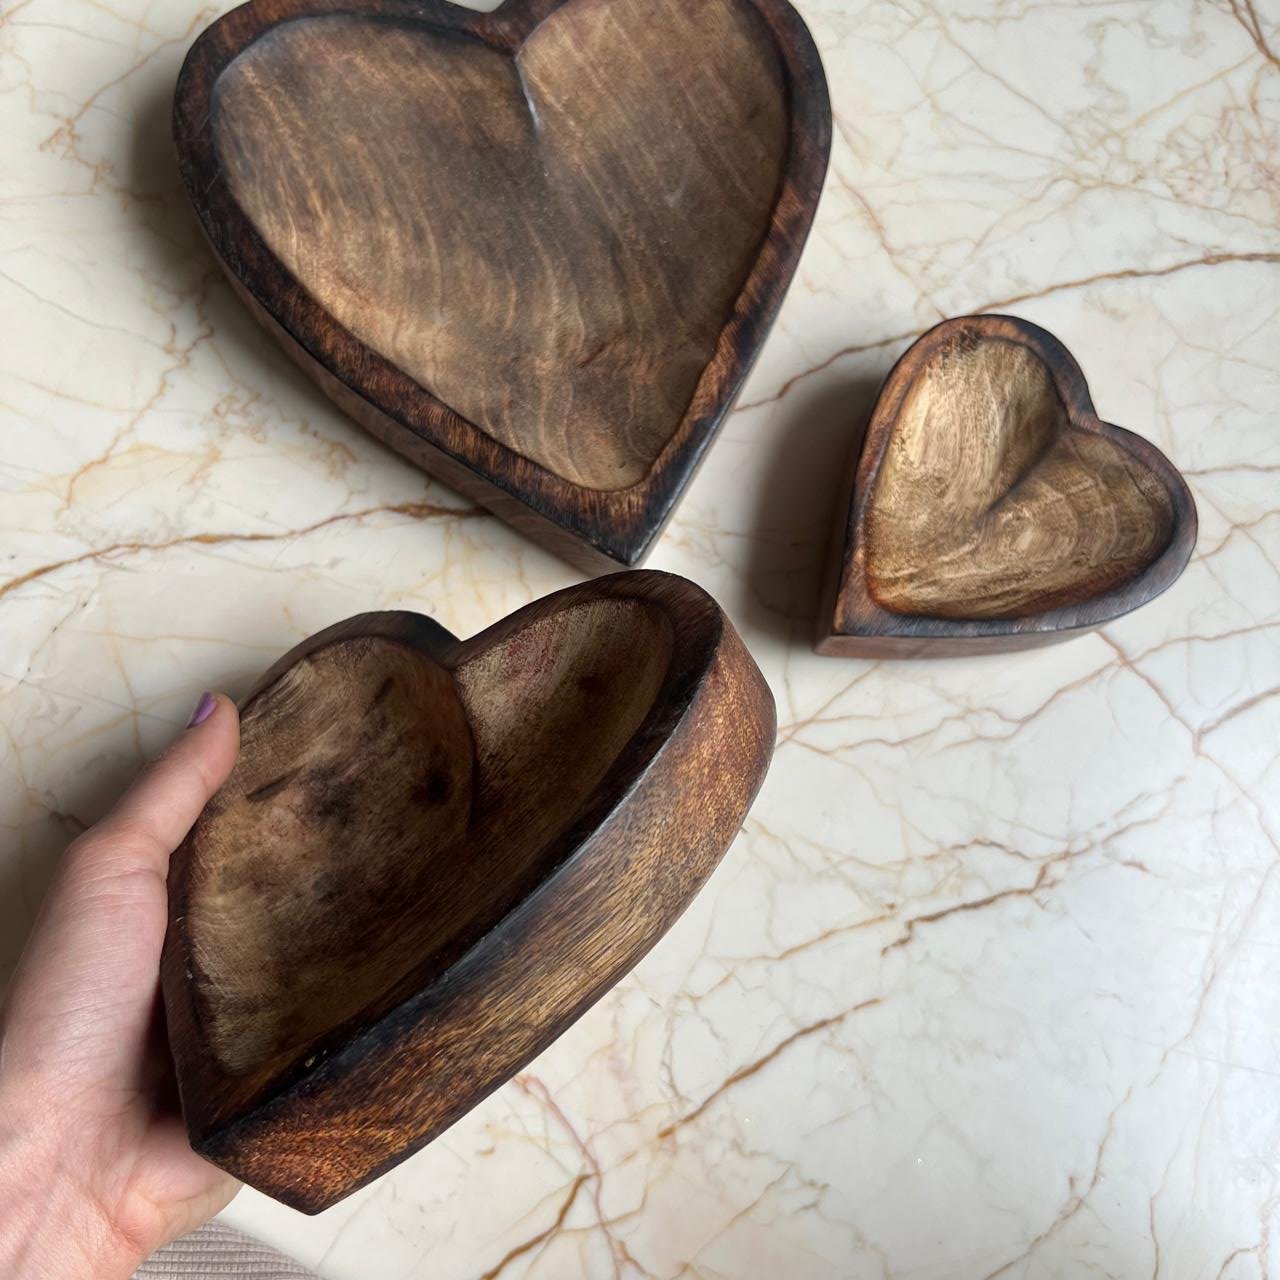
(986, 985)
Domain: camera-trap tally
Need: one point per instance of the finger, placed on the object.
(89, 969)
(151, 819)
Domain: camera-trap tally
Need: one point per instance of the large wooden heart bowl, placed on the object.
(537, 250)
(991, 509)
(433, 855)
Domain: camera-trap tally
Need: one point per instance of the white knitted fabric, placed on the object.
(216, 1252)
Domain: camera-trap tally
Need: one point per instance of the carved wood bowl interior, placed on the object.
(992, 509)
(561, 228)
(384, 811)
(401, 801)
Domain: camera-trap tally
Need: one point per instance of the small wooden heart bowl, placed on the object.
(537, 250)
(434, 855)
(991, 509)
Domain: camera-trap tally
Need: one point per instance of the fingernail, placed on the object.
(204, 709)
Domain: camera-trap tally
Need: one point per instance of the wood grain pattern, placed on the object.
(354, 785)
(991, 509)
(434, 855)
(543, 244)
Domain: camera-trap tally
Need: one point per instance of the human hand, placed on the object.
(95, 1169)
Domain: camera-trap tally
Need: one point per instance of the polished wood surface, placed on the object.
(434, 855)
(354, 785)
(504, 235)
(991, 509)
(545, 242)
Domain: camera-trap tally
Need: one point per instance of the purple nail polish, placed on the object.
(204, 709)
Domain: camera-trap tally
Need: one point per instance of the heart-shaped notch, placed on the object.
(537, 250)
(433, 855)
(991, 509)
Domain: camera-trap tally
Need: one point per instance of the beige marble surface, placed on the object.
(987, 986)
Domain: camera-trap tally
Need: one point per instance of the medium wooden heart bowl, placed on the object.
(991, 509)
(433, 855)
(537, 250)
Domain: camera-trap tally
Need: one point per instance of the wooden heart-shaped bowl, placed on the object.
(991, 509)
(537, 250)
(433, 855)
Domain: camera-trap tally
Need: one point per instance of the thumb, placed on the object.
(151, 819)
(97, 940)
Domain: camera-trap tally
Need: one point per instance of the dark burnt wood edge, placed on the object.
(874, 646)
(618, 527)
(846, 576)
(699, 630)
